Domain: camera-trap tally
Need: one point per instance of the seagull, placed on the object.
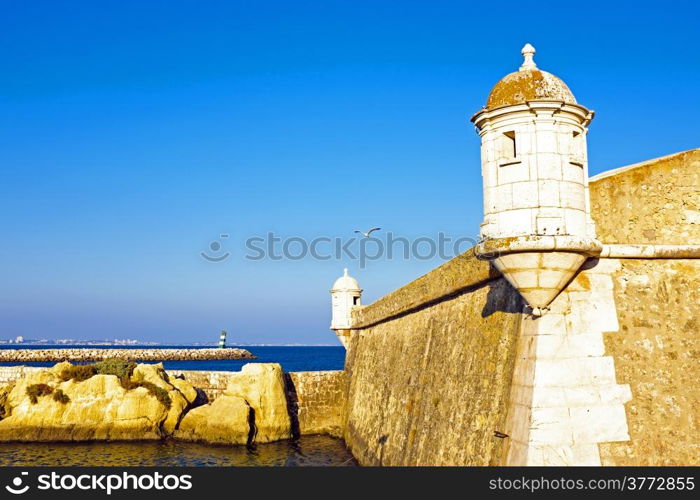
(366, 235)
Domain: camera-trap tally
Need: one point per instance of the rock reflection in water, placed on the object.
(307, 451)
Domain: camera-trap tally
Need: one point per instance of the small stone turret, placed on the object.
(345, 294)
(537, 227)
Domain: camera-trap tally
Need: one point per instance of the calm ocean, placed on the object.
(292, 358)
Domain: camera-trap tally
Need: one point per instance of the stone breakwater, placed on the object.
(88, 354)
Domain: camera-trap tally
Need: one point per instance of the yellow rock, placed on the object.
(225, 421)
(253, 407)
(99, 408)
(59, 367)
(155, 374)
(261, 385)
(185, 388)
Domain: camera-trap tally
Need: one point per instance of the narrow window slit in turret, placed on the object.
(509, 152)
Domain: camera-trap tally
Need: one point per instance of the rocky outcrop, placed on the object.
(262, 387)
(43, 406)
(253, 409)
(225, 421)
(141, 402)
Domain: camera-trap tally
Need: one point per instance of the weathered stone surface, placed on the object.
(657, 352)
(457, 275)
(564, 396)
(318, 401)
(99, 408)
(155, 374)
(656, 349)
(225, 421)
(431, 386)
(262, 386)
(657, 201)
(185, 388)
(252, 409)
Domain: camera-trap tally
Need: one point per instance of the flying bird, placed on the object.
(366, 235)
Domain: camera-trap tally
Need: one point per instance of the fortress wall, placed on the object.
(318, 400)
(430, 367)
(608, 376)
(657, 201)
(565, 397)
(657, 347)
(657, 352)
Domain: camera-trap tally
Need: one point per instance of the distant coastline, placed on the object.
(20, 341)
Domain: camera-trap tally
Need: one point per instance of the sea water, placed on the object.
(305, 451)
(292, 358)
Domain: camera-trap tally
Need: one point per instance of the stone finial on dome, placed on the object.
(346, 282)
(528, 52)
(528, 84)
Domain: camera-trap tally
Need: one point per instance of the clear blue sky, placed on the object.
(132, 134)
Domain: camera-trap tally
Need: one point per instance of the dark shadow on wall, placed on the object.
(292, 404)
(502, 297)
(589, 264)
(252, 429)
(202, 398)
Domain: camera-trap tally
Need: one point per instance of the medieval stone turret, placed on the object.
(537, 227)
(345, 294)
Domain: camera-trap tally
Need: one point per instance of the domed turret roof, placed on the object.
(346, 282)
(528, 84)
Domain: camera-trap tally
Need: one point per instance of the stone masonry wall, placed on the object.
(657, 347)
(657, 352)
(318, 400)
(430, 368)
(657, 201)
(565, 397)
